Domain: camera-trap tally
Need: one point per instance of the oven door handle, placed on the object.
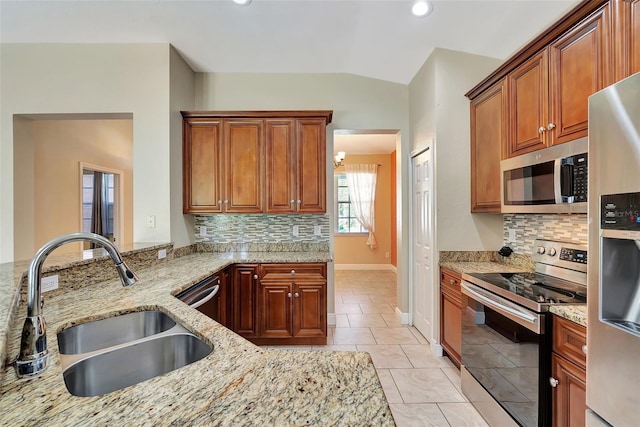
(214, 291)
(520, 315)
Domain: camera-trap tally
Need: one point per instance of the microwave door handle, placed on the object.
(566, 184)
(557, 181)
(206, 299)
(519, 315)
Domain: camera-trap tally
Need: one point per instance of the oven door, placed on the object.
(506, 349)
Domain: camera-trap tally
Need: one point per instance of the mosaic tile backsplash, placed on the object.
(528, 227)
(261, 228)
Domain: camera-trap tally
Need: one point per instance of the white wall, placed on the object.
(24, 179)
(90, 78)
(357, 103)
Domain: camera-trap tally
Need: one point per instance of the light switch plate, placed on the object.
(512, 236)
(151, 221)
(317, 230)
(296, 230)
(203, 231)
(162, 253)
(49, 283)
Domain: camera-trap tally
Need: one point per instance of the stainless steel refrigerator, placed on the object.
(613, 328)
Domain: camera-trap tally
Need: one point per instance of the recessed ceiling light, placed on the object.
(421, 8)
(242, 2)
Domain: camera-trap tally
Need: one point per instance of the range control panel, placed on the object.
(573, 255)
(560, 254)
(620, 211)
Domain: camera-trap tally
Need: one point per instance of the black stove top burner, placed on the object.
(538, 288)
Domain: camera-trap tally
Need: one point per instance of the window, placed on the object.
(346, 221)
(87, 201)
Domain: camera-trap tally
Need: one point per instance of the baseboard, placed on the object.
(437, 350)
(478, 316)
(331, 319)
(386, 267)
(403, 317)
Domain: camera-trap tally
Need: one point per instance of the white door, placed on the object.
(422, 244)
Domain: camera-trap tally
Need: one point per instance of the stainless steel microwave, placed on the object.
(552, 180)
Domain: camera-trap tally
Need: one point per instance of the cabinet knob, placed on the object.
(541, 129)
(293, 272)
(299, 201)
(255, 276)
(226, 202)
(292, 201)
(584, 349)
(452, 282)
(289, 295)
(554, 382)
(551, 126)
(296, 295)
(219, 202)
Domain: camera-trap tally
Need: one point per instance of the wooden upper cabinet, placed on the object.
(280, 165)
(528, 88)
(635, 37)
(202, 157)
(627, 37)
(488, 138)
(579, 67)
(311, 161)
(244, 154)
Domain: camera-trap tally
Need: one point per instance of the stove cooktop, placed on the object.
(536, 291)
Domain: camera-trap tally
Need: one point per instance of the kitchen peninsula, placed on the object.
(237, 383)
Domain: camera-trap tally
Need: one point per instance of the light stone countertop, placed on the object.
(575, 313)
(482, 267)
(237, 384)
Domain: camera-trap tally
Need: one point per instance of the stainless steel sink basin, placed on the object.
(126, 365)
(99, 334)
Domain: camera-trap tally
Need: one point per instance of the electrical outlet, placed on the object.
(386, 254)
(162, 253)
(203, 231)
(49, 283)
(296, 230)
(317, 230)
(512, 236)
(151, 221)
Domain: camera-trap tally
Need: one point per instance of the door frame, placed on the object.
(434, 340)
(118, 197)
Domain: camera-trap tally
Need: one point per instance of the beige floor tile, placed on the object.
(420, 356)
(462, 415)
(386, 356)
(416, 333)
(418, 415)
(347, 308)
(334, 347)
(400, 335)
(342, 321)
(356, 299)
(389, 386)
(376, 308)
(383, 299)
(425, 386)
(366, 320)
(353, 336)
(392, 320)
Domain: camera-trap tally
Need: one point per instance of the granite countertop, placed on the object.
(575, 313)
(482, 267)
(238, 383)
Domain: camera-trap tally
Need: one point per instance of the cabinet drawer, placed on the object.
(450, 282)
(293, 271)
(569, 340)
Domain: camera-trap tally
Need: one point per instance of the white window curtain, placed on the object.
(361, 180)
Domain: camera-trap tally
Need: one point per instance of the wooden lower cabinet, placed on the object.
(568, 373)
(245, 304)
(224, 306)
(451, 314)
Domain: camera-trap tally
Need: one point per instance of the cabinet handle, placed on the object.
(541, 129)
(296, 295)
(554, 382)
(551, 126)
(584, 349)
(255, 276)
(293, 272)
(289, 295)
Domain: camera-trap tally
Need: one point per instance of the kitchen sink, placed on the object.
(99, 334)
(113, 370)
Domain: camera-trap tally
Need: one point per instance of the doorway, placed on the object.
(101, 202)
(423, 304)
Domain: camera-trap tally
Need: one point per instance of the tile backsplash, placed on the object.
(528, 227)
(261, 228)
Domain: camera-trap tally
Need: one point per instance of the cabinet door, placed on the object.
(244, 160)
(245, 308)
(528, 105)
(225, 297)
(570, 395)
(202, 166)
(580, 66)
(451, 328)
(311, 166)
(488, 138)
(310, 310)
(281, 166)
(276, 300)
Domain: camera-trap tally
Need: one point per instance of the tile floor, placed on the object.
(422, 390)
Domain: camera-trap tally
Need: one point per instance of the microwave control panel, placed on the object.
(620, 211)
(580, 173)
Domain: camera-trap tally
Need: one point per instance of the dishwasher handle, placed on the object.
(212, 292)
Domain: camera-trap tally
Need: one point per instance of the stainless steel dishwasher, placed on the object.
(204, 296)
